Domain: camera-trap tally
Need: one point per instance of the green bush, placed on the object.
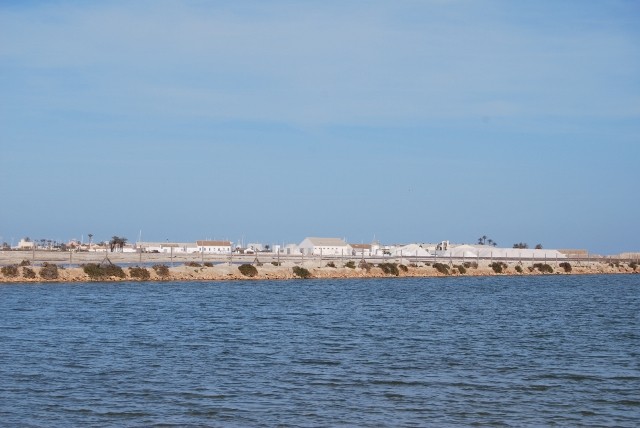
(566, 266)
(161, 270)
(461, 269)
(208, 264)
(518, 268)
(193, 264)
(389, 268)
(331, 265)
(442, 268)
(350, 264)
(49, 271)
(403, 268)
(10, 271)
(25, 262)
(28, 273)
(469, 265)
(301, 272)
(543, 267)
(248, 270)
(95, 271)
(633, 265)
(276, 263)
(139, 273)
(498, 267)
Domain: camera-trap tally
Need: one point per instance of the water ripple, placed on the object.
(535, 351)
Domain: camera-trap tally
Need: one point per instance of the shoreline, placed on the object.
(317, 269)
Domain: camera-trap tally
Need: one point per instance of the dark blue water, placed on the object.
(508, 351)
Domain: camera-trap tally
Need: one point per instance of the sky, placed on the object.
(399, 121)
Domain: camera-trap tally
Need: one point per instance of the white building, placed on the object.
(214, 247)
(168, 247)
(325, 246)
(25, 245)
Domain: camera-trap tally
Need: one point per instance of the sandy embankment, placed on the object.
(227, 269)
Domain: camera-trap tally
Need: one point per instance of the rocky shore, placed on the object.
(161, 270)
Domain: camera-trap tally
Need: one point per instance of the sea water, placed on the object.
(506, 351)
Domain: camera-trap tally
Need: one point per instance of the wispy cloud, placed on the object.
(332, 63)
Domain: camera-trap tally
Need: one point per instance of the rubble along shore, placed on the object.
(194, 271)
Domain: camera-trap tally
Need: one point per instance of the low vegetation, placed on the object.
(518, 268)
(208, 264)
(25, 262)
(248, 270)
(28, 273)
(350, 264)
(442, 268)
(470, 265)
(49, 271)
(633, 265)
(389, 268)
(403, 268)
(498, 267)
(161, 270)
(10, 271)
(276, 263)
(331, 265)
(96, 271)
(139, 273)
(301, 272)
(193, 264)
(461, 269)
(566, 266)
(543, 268)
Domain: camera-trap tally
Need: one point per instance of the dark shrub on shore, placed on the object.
(10, 271)
(543, 267)
(389, 268)
(208, 264)
(28, 273)
(331, 265)
(498, 267)
(25, 262)
(276, 263)
(633, 265)
(49, 271)
(350, 264)
(95, 271)
(566, 266)
(248, 270)
(518, 268)
(442, 268)
(461, 269)
(161, 270)
(470, 265)
(193, 264)
(141, 273)
(301, 272)
(403, 268)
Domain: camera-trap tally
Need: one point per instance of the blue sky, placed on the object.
(410, 121)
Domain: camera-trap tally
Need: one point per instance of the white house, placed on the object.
(214, 247)
(325, 246)
(25, 244)
(167, 247)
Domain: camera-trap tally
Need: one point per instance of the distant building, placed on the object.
(214, 247)
(167, 247)
(26, 244)
(361, 249)
(324, 246)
